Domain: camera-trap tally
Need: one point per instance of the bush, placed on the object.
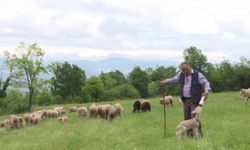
(43, 99)
(15, 102)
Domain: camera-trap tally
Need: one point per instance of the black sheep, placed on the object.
(137, 106)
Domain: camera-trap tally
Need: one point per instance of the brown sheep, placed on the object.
(145, 106)
(167, 100)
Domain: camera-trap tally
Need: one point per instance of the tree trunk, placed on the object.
(30, 99)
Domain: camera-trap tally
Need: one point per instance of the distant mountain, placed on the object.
(125, 65)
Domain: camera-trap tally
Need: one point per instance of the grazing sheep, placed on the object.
(245, 93)
(1, 124)
(73, 109)
(137, 106)
(20, 120)
(192, 123)
(110, 112)
(145, 106)
(14, 122)
(82, 112)
(167, 100)
(6, 122)
(119, 109)
(53, 113)
(63, 119)
(93, 111)
(28, 119)
(99, 112)
(36, 119)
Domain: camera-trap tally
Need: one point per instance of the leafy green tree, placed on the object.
(68, 79)
(27, 61)
(94, 86)
(195, 57)
(108, 82)
(118, 76)
(140, 80)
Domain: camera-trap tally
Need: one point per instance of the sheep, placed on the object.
(20, 120)
(53, 113)
(73, 109)
(63, 119)
(99, 111)
(36, 119)
(1, 124)
(14, 122)
(6, 122)
(93, 111)
(28, 119)
(192, 123)
(110, 112)
(137, 106)
(167, 100)
(82, 112)
(119, 109)
(245, 93)
(145, 106)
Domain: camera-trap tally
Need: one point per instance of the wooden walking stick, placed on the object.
(164, 109)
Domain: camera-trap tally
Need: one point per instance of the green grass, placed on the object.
(225, 127)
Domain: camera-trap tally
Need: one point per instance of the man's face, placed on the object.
(186, 69)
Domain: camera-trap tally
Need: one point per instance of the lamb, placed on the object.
(93, 111)
(145, 106)
(245, 93)
(137, 106)
(63, 119)
(99, 112)
(119, 109)
(73, 109)
(36, 119)
(167, 100)
(20, 120)
(104, 111)
(6, 122)
(192, 123)
(82, 112)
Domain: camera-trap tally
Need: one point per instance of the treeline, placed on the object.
(70, 85)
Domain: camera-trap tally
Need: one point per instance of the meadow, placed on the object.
(225, 120)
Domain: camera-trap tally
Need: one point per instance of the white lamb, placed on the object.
(167, 100)
(193, 124)
(82, 112)
(245, 93)
(63, 119)
(93, 111)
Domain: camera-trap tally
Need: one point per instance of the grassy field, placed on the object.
(225, 118)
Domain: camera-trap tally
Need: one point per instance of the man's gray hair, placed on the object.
(185, 63)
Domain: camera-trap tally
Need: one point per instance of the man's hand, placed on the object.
(163, 83)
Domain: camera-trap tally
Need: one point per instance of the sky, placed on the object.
(136, 29)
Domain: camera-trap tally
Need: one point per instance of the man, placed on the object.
(194, 85)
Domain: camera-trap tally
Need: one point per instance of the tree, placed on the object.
(108, 82)
(118, 76)
(139, 79)
(195, 57)
(94, 87)
(28, 64)
(68, 79)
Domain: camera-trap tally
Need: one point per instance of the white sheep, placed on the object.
(63, 119)
(14, 122)
(6, 122)
(36, 119)
(167, 100)
(93, 111)
(110, 112)
(28, 119)
(73, 109)
(245, 93)
(119, 109)
(192, 123)
(82, 112)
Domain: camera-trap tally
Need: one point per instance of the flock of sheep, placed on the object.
(106, 111)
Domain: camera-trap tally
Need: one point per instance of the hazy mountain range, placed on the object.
(125, 65)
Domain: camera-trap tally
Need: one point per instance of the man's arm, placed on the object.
(203, 81)
(174, 80)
